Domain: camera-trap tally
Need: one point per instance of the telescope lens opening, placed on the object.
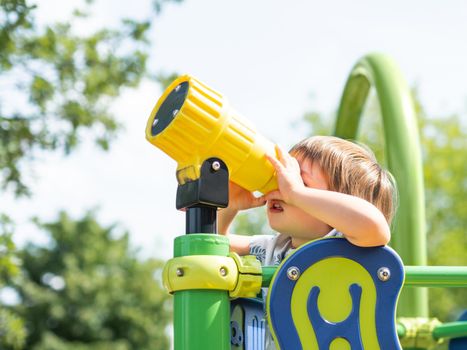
(169, 108)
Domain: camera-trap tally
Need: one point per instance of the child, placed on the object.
(327, 186)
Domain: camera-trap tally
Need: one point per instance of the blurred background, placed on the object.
(87, 206)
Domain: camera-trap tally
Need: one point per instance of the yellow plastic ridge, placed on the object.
(200, 272)
(249, 277)
(240, 275)
(419, 332)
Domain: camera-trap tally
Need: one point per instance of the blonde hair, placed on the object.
(352, 169)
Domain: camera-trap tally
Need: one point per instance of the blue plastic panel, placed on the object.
(254, 329)
(459, 343)
(370, 259)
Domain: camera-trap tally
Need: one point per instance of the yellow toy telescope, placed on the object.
(193, 123)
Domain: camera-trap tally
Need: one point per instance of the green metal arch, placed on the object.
(403, 155)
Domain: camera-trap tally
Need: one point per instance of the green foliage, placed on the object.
(8, 264)
(252, 222)
(12, 332)
(445, 152)
(57, 83)
(87, 290)
(165, 79)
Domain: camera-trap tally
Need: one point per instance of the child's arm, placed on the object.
(360, 221)
(239, 199)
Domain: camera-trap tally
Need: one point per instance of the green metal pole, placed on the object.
(201, 317)
(447, 330)
(403, 155)
(415, 276)
(451, 330)
(267, 274)
(401, 331)
(436, 276)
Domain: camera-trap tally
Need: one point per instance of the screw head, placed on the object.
(154, 122)
(293, 273)
(223, 271)
(177, 88)
(384, 274)
(180, 272)
(174, 112)
(216, 165)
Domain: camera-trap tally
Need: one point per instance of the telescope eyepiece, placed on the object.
(169, 108)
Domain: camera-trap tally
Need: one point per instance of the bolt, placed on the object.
(174, 113)
(293, 273)
(223, 271)
(177, 88)
(216, 165)
(154, 123)
(180, 272)
(384, 274)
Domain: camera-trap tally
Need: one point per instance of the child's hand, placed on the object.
(289, 179)
(241, 199)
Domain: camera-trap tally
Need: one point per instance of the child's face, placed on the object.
(288, 219)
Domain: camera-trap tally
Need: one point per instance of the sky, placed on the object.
(273, 60)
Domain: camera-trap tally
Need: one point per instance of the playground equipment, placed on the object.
(328, 294)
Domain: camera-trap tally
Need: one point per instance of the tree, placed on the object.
(444, 142)
(61, 83)
(252, 222)
(56, 85)
(12, 332)
(87, 290)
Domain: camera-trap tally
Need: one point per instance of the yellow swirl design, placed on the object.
(334, 276)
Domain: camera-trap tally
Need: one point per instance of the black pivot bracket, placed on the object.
(202, 197)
